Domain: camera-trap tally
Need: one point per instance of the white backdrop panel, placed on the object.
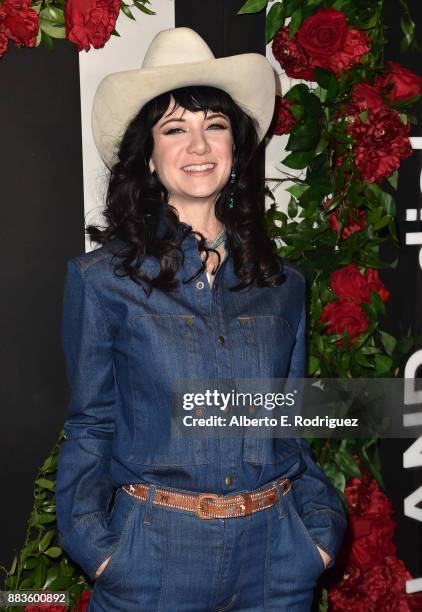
(124, 53)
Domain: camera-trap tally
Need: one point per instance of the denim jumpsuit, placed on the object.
(122, 350)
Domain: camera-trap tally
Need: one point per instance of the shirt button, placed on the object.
(199, 411)
(200, 285)
(252, 409)
(221, 339)
(226, 409)
(228, 480)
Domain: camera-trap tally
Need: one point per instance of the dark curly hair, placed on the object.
(137, 201)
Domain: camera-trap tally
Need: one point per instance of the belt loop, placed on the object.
(280, 503)
(148, 504)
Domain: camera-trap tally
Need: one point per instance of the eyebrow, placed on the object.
(181, 120)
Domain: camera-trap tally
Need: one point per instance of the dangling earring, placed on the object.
(233, 177)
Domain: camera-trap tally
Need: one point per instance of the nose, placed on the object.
(198, 143)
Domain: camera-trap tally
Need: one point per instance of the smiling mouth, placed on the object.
(199, 167)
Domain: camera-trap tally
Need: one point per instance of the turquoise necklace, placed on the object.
(220, 238)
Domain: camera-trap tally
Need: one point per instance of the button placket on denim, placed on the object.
(229, 446)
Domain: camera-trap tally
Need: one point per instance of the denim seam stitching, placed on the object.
(84, 265)
(162, 599)
(240, 577)
(267, 589)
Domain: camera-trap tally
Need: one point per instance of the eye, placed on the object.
(217, 126)
(173, 131)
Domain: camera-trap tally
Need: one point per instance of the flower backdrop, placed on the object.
(348, 129)
(86, 23)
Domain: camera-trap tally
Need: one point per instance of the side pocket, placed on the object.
(308, 538)
(121, 520)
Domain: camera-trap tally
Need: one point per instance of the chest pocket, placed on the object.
(267, 342)
(163, 348)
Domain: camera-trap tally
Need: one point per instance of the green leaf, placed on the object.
(292, 208)
(362, 360)
(46, 39)
(299, 159)
(54, 552)
(347, 464)
(388, 341)
(295, 22)
(126, 10)
(115, 33)
(53, 14)
(304, 137)
(253, 6)
(45, 484)
(313, 365)
(408, 28)
(383, 364)
(291, 6)
(324, 77)
(51, 29)
(297, 190)
(31, 563)
(297, 111)
(46, 539)
(143, 8)
(393, 179)
(43, 519)
(275, 20)
(297, 93)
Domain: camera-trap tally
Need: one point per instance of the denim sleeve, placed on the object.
(320, 505)
(84, 488)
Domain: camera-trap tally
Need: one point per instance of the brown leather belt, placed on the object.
(210, 505)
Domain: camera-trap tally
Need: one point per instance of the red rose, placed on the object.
(367, 97)
(355, 46)
(283, 120)
(372, 540)
(291, 57)
(83, 602)
(343, 317)
(329, 43)
(356, 220)
(400, 83)
(323, 34)
(90, 22)
(381, 142)
(349, 284)
(19, 22)
(4, 41)
(375, 284)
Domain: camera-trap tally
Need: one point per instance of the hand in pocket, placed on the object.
(326, 558)
(102, 567)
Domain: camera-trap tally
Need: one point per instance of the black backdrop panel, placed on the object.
(41, 227)
(217, 22)
(405, 303)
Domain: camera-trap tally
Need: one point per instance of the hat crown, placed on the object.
(176, 46)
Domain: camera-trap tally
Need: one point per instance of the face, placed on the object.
(192, 154)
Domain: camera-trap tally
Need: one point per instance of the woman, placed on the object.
(185, 286)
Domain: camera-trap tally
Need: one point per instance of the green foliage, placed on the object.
(41, 563)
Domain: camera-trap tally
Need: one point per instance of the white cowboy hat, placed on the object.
(177, 58)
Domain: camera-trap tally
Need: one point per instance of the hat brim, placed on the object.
(248, 78)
